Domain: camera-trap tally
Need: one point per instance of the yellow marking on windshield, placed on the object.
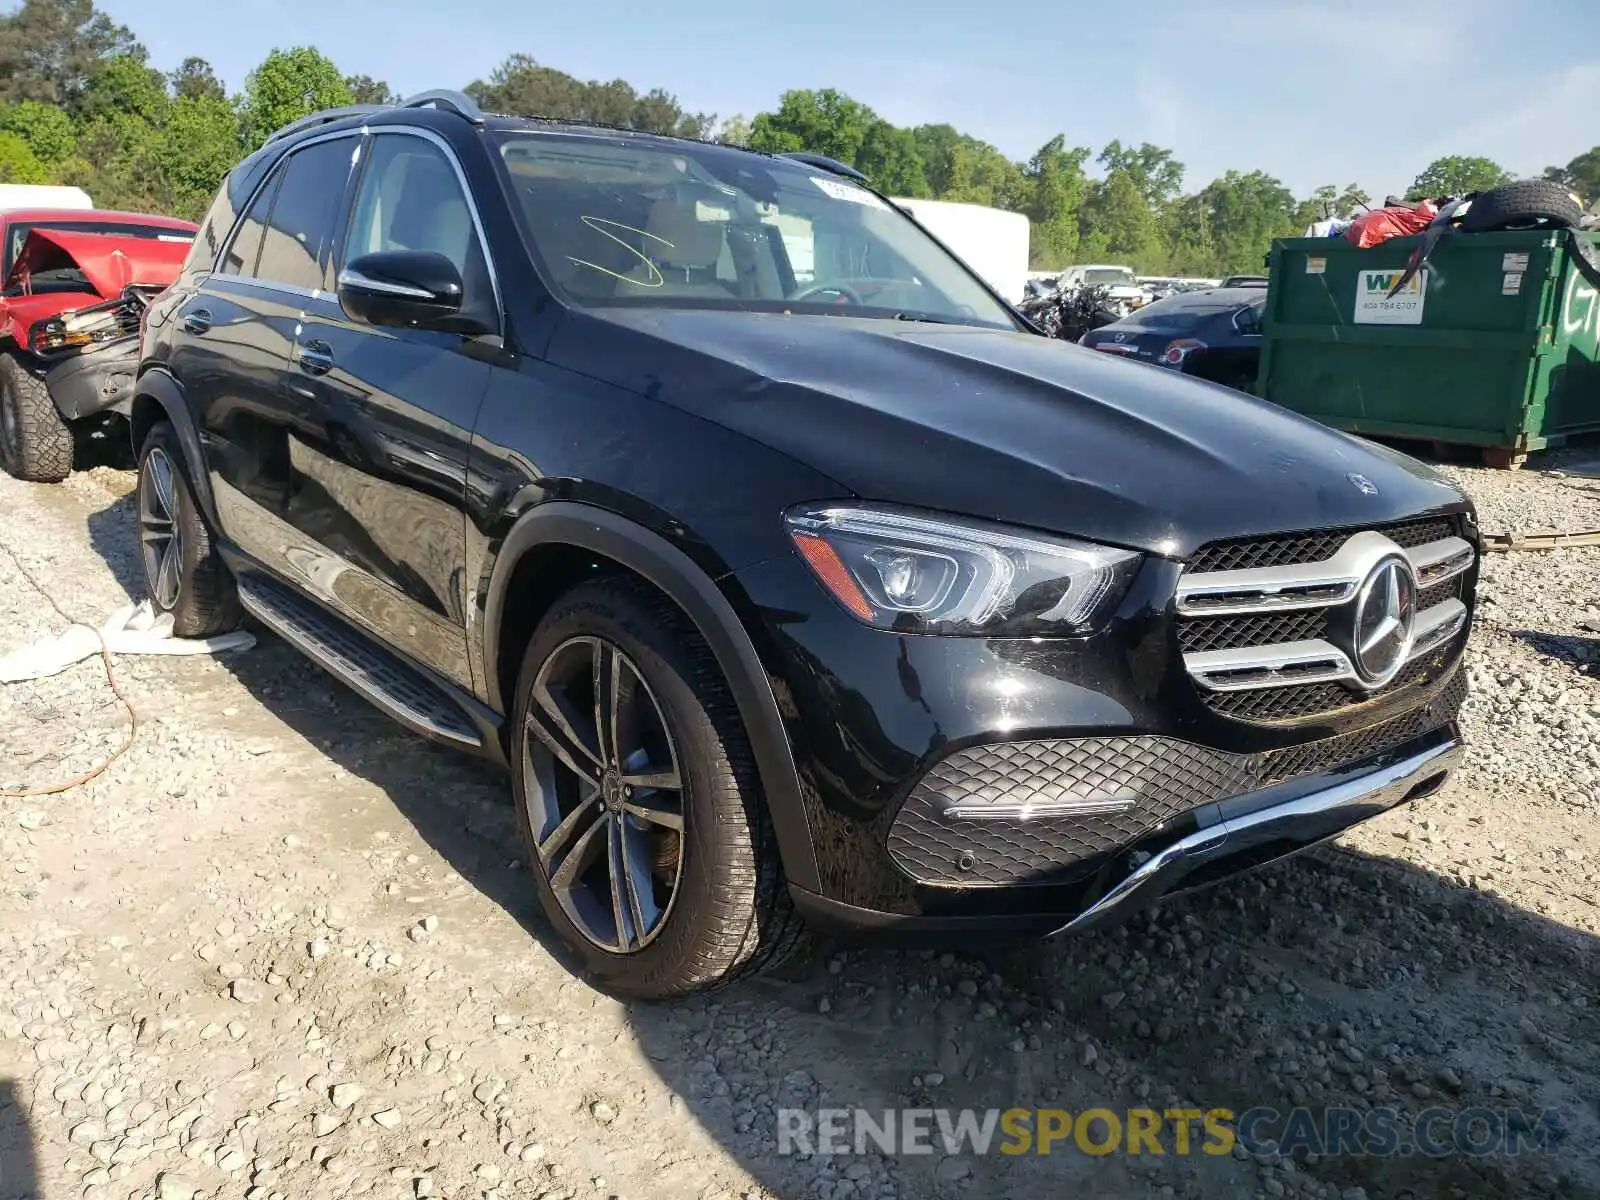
(657, 279)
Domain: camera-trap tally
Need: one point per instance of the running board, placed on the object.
(380, 676)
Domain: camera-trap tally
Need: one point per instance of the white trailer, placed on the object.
(992, 241)
(40, 195)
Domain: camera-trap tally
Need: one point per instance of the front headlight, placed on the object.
(919, 573)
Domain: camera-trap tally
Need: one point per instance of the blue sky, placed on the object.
(1314, 93)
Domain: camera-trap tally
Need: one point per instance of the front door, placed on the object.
(380, 490)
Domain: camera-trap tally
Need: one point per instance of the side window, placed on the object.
(303, 214)
(246, 245)
(412, 199)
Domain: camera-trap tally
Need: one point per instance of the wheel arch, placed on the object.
(157, 397)
(567, 526)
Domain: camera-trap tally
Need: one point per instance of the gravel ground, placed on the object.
(281, 950)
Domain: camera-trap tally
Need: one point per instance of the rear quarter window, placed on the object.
(224, 212)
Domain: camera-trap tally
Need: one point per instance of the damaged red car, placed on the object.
(75, 287)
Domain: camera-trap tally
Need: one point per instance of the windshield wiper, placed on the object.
(928, 317)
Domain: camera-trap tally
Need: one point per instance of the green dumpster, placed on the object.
(1493, 345)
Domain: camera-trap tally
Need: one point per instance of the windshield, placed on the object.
(17, 234)
(625, 221)
(1110, 276)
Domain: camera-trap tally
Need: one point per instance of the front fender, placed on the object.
(158, 397)
(676, 574)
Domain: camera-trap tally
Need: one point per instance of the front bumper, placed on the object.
(899, 741)
(1208, 844)
(95, 380)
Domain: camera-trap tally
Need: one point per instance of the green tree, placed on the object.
(1154, 173)
(1582, 175)
(195, 80)
(1242, 213)
(1118, 222)
(521, 85)
(364, 89)
(818, 122)
(962, 168)
(197, 147)
(50, 48)
(288, 84)
(1331, 201)
(889, 158)
(46, 129)
(734, 131)
(1453, 175)
(1054, 190)
(17, 162)
(124, 88)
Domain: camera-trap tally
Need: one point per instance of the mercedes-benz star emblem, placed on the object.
(1386, 612)
(1362, 484)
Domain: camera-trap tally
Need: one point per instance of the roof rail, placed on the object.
(831, 165)
(324, 117)
(441, 98)
(450, 101)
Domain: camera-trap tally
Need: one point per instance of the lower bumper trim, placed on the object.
(1235, 841)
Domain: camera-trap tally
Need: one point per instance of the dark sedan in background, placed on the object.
(1214, 334)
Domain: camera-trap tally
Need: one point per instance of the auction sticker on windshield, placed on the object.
(843, 191)
(1373, 305)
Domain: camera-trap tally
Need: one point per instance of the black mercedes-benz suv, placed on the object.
(789, 572)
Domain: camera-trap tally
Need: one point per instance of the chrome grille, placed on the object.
(1294, 548)
(1259, 624)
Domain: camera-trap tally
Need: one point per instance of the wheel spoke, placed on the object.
(607, 700)
(652, 810)
(663, 779)
(582, 813)
(623, 902)
(161, 478)
(168, 574)
(633, 902)
(582, 855)
(552, 723)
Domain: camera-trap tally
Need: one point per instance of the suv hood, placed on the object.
(1007, 426)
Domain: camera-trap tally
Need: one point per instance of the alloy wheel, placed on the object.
(160, 537)
(605, 794)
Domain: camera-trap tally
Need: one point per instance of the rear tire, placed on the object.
(183, 573)
(726, 913)
(35, 442)
(1527, 204)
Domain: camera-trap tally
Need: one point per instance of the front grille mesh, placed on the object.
(1286, 549)
(1265, 629)
(1170, 776)
(1294, 703)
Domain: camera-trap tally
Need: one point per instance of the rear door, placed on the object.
(380, 492)
(235, 335)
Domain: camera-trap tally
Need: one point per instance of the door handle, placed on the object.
(316, 357)
(197, 320)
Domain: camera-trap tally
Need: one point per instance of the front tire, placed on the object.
(35, 442)
(648, 838)
(183, 574)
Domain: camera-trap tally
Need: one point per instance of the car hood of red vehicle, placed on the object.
(109, 261)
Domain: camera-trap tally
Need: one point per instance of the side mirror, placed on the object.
(407, 288)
